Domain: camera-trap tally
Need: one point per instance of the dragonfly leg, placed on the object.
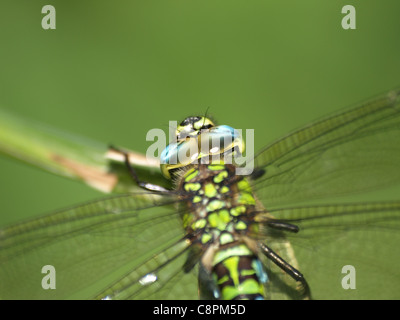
(293, 272)
(257, 173)
(279, 225)
(142, 184)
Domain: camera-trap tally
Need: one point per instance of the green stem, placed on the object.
(72, 156)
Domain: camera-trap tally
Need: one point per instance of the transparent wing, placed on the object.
(101, 239)
(352, 151)
(365, 236)
(160, 277)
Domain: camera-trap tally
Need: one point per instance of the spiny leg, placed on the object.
(281, 225)
(293, 272)
(134, 176)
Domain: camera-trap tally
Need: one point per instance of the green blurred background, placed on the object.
(112, 70)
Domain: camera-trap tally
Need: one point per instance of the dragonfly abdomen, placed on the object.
(218, 218)
(238, 274)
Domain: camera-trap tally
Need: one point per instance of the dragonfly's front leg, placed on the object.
(143, 184)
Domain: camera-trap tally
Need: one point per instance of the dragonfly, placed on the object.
(276, 232)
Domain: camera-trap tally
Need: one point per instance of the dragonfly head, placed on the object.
(198, 140)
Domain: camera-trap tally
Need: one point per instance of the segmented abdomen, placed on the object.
(219, 216)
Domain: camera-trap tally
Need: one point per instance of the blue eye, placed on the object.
(219, 139)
